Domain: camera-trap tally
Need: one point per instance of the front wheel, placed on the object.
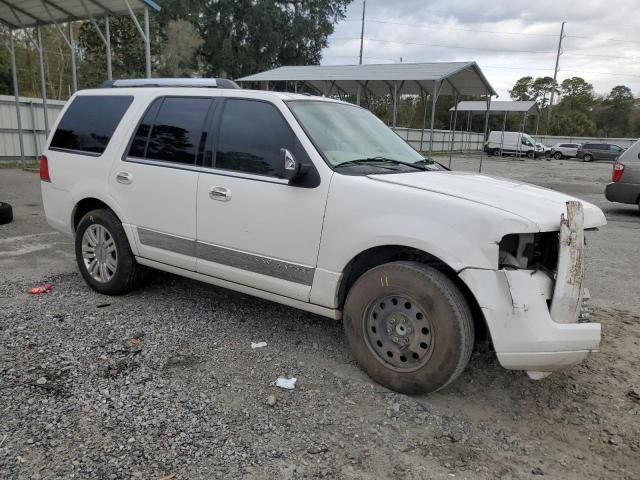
(557, 156)
(104, 256)
(409, 327)
(587, 158)
(531, 154)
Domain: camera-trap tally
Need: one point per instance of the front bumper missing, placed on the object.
(527, 334)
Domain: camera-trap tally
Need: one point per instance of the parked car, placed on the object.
(598, 151)
(314, 203)
(511, 143)
(564, 150)
(625, 178)
(543, 150)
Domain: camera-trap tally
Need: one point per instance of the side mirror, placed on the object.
(291, 165)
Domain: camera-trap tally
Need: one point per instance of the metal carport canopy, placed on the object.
(30, 13)
(497, 107)
(411, 78)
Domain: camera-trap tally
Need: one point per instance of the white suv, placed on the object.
(316, 204)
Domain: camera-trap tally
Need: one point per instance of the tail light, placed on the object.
(580, 149)
(618, 170)
(44, 169)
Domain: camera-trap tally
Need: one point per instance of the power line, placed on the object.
(460, 47)
(495, 32)
(439, 27)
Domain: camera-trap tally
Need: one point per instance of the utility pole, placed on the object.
(555, 72)
(364, 6)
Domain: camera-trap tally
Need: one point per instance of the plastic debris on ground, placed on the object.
(258, 345)
(286, 383)
(46, 288)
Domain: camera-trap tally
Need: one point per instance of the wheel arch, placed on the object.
(82, 207)
(375, 256)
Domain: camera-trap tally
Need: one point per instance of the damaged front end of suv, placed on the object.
(535, 303)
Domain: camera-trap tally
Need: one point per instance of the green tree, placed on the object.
(521, 91)
(571, 123)
(541, 90)
(620, 96)
(127, 50)
(577, 94)
(179, 47)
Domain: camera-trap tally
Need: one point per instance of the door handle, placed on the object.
(124, 177)
(220, 193)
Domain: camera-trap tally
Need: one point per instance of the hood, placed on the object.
(539, 205)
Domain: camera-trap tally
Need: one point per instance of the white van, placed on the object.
(511, 143)
(316, 204)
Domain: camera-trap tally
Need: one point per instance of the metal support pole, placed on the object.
(364, 6)
(43, 81)
(434, 100)
(469, 131)
(147, 43)
(424, 118)
(395, 104)
(486, 127)
(34, 130)
(14, 74)
(455, 120)
(72, 47)
(107, 31)
(504, 125)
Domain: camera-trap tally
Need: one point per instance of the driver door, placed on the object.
(253, 228)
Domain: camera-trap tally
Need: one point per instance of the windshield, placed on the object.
(347, 133)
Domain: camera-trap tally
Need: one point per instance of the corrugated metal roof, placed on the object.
(412, 78)
(497, 106)
(29, 13)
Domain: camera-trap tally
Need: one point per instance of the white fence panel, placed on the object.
(33, 129)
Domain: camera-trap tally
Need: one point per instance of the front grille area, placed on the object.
(538, 250)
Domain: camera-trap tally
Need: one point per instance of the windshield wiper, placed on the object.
(379, 160)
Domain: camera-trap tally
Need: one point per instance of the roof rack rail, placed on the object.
(171, 82)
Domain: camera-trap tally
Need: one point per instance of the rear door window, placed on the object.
(172, 130)
(88, 124)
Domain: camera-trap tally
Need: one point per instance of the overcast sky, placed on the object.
(426, 31)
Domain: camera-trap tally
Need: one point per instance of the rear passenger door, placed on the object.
(254, 228)
(156, 180)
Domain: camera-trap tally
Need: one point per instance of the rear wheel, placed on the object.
(557, 156)
(587, 158)
(409, 327)
(104, 256)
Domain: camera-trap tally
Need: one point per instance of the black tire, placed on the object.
(128, 274)
(6, 213)
(446, 318)
(557, 156)
(531, 154)
(587, 158)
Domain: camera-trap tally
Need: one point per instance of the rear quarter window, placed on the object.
(88, 124)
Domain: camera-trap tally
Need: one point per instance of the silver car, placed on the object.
(625, 179)
(564, 150)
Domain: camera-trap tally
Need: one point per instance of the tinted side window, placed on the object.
(89, 123)
(177, 130)
(251, 136)
(139, 143)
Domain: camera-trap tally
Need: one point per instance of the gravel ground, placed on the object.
(163, 382)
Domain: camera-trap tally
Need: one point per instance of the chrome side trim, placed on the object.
(164, 241)
(208, 170)
(255, 263)
(271, 267)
